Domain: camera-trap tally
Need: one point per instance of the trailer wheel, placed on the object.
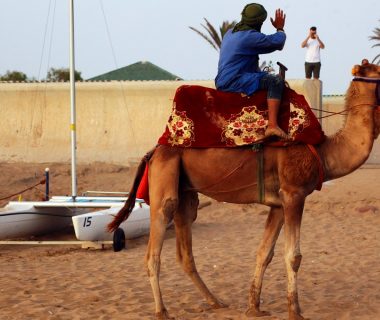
(118, 240)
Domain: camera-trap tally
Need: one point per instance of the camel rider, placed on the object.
(238, 68)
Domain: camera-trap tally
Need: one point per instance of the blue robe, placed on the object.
(238, 68)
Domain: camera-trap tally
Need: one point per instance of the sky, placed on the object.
(35, 35)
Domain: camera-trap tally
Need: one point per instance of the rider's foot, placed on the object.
(276, 131)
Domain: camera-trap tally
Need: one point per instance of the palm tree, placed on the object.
(213, 37)
(376, 37)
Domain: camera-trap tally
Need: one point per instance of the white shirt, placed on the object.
(313, 51)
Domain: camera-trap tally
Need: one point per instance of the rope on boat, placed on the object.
(43, 181)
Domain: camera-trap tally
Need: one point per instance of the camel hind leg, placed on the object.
(183, 219)
(163, 191)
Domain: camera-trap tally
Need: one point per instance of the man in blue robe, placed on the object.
(238, 68)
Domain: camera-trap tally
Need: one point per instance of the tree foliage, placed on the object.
(212, 36)
(62, 74)
(376, 38)
(14, 76)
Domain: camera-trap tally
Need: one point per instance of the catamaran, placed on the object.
(20, 219)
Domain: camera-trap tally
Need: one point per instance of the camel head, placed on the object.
(367, 83)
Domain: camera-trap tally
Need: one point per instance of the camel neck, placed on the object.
(350, 147)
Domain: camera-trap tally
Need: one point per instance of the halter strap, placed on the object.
(371, 80)
(366, 79)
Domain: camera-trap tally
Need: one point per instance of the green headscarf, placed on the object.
(252, 17)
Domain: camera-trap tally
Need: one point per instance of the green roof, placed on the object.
(143, 70)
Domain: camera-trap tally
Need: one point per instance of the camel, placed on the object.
(177, 175)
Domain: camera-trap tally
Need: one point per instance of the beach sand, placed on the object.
(339, 276)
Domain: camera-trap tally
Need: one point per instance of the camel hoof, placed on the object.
(218, 305)
(297, 317)
(252, 312)
(163, 315)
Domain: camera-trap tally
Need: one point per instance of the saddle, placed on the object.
(207, 118)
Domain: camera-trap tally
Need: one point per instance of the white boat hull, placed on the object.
(31, 218)
(92, 226)
(23, 219)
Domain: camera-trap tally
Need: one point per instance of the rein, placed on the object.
(345, 112)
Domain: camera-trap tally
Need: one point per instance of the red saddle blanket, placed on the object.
(202, 118)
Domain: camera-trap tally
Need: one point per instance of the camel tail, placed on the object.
(124, 212)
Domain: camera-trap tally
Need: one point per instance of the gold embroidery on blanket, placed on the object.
(181, 129)
(298, 121)
(246, 127)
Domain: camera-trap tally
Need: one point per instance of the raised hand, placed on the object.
(279, 19)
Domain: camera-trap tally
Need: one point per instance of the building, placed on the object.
(139, 71)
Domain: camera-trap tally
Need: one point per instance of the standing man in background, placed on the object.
(313, 57)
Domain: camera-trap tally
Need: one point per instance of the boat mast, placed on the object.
(72, 104)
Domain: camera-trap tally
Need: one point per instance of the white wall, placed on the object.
(116, 121)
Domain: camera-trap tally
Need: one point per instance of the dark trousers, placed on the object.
(274, 84)
(312, 68)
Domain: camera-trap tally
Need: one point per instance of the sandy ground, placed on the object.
(339, 276)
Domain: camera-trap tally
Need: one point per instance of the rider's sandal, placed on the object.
(278, 132)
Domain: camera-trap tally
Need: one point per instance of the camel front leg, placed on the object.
(183, 219)
(264, 256)
(293, 203)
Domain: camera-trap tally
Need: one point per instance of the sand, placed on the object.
(339, 276)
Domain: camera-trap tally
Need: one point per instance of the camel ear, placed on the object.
(355, 69)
